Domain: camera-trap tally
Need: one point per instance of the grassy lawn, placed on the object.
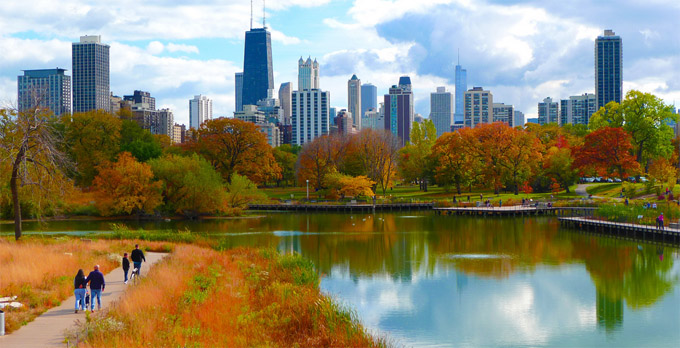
(434, 193)
(613, 190)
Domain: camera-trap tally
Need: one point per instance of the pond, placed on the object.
(437, 281)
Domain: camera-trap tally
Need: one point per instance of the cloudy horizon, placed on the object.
(522, 51)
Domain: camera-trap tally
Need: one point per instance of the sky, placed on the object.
(522, 51)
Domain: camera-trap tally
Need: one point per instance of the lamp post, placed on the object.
(307, 189)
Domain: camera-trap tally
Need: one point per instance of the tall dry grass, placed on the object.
(40, 271)
(199, 297)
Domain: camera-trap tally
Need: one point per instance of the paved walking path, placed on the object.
(47, 330)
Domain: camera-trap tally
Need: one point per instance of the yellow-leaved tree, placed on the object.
(126, 187)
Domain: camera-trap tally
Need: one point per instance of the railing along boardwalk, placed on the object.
(343, 207)
(624, 229)
(516, 210)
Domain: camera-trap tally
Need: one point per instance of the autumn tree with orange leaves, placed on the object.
(454, 163)
(320, 158)
(126, 187)
(232, 145)
(607, 151)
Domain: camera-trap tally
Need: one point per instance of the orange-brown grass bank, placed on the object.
(198, 297)
(40, 271)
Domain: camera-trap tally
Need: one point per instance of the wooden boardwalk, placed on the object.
(343, 207)
(516, 210)
(623, 229)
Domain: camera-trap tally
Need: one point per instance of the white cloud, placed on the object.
(172, 47)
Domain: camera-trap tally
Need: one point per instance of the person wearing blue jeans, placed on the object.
(97, 285)
(137, 256)
(80, 288)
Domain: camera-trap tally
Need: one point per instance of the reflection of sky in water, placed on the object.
(552, 306)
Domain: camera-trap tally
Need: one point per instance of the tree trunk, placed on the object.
(566, 188)
(15, 194)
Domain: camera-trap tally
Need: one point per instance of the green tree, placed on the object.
(414, 164)
(139, 142)
(92, 138)
(286, 158)
(191, 186)
(241, 192)
(645, 117)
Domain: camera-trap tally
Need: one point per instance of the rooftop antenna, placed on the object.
(251, 14)
(458, 56)
(264, 19)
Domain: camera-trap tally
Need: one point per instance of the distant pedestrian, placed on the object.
(481, 196)
(626, 201)
(126, 266)
(80, 288)
(137, 256)
(468, 198)
(500, 203)
(454, 199)
(97, 285)
(660, 221)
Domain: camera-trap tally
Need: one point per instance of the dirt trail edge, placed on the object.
(47, 330)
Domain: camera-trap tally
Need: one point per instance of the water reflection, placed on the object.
(452, 281)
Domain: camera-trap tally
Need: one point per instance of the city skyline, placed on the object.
(542, 54)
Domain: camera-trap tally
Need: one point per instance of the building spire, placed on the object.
(251, 14)
(264, 14)
(458, 56)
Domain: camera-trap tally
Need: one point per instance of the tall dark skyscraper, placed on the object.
(258, 74)
(399, 110)
(91, 90)
(608, 68)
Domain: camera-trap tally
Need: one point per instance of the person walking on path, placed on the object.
(80, 288)
(137, 256)
(97, 285)
(126, 266)
(660, 221)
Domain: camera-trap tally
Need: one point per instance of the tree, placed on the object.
(92, 138)
(413, 160)
(520, 158)
(242, 191)
(558, 165)
(347, 185)
(30, 143)
(126, 187)
(454, 164)
(320, 158)
(490, 145)
(664, 172)
(139, 142)
(286, 158)
(379, 154)
(645, 117)
(608, 152)
(232, 145)
(190, 185)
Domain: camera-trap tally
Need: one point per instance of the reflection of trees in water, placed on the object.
(609, 312)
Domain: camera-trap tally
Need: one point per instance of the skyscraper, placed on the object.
(48, 88)
(200, 110)
(519, 118)
(258, 73)
(238, 91)
(504, 113)
(461, 88)
(399, 113)
(90, 60)
(310, 118)
(369, 98)
(608, 68)
(548, 111)
(141, 97)
(578, 109)
(308, 74)
(478, 107)
(354, 100)
(285, 96)
(441, 110)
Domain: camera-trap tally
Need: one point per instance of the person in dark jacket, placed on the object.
(97, 285)
(80, 288)
(126, 266)
(137, 256)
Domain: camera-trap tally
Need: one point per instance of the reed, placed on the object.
(200, 297)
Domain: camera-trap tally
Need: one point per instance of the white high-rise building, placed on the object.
(354, 101)
(285, 95)
(519, 118)
(504, 113)
(478, 107)
(373, 119)
(200, 110)
(310, 117)
(308, 74)
(548, 111)
(441, 110)
(578, 109)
